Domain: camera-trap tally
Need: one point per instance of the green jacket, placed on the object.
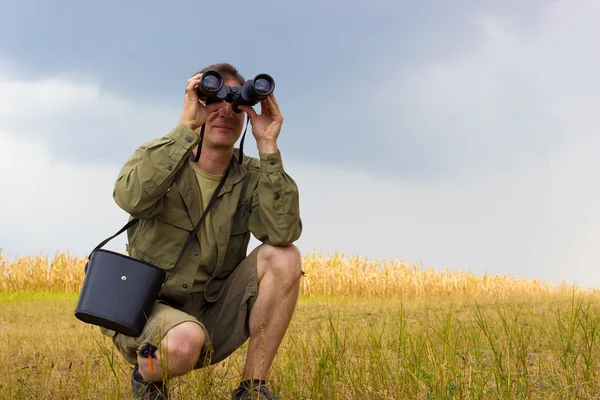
(158, 185)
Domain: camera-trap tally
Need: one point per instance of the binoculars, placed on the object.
(212, 89)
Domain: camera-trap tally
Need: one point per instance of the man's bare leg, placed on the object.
(279, 273)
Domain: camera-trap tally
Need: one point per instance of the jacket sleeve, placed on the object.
(275, 217)
(149, 172)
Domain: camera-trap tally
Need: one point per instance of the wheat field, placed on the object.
(363, 329)
(337, 275)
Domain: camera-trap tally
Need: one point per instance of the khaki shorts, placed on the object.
(225, 322)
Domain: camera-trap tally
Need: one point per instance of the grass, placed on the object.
(416, 344)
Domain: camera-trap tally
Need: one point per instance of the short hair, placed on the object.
(227, 70)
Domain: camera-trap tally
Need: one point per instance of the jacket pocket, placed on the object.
(177, 217)
(236, 236)
(161, 239)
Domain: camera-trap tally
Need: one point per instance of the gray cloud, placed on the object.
(79, 122)
(513, 100)
(323, 73)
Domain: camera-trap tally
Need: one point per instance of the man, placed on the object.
(217, 296)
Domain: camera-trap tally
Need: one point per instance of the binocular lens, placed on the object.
(211, 82)
(262, 85)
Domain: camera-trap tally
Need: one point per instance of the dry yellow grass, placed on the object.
(63, 272)
(337, 275)
(362, 330)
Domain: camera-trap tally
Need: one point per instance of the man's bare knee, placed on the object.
(179, 352)
(284, 262)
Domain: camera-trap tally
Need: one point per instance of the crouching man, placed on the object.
(216, 296)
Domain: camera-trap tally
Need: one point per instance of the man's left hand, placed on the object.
(266, 126)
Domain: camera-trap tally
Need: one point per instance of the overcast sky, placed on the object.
(458, 135)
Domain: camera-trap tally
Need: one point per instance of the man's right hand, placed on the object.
(194, 112)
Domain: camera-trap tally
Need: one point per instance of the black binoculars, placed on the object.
(212, 89)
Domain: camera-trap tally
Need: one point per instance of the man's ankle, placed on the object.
(138, 377)
(251, 383)
(136, 374)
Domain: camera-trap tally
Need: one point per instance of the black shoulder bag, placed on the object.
(119, 291)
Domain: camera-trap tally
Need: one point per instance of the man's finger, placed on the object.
(250, 111)
(273, 100)
(270, 103)
(190, 89)
(264, 107)
(273, 107)
(192, 83)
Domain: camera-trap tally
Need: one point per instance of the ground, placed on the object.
(336, 348)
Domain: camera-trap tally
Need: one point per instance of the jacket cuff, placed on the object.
(184, 135)
(271, 162)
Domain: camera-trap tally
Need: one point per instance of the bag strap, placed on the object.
(190, 236)
(210, 204)
(123, 229)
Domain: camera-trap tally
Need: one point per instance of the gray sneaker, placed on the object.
(254, 391)
(143, 390)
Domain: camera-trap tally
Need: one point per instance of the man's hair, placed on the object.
(227, 70)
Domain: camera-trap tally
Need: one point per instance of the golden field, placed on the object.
(337, 275)
(362, 330)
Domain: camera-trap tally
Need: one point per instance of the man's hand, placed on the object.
(194, 113)
(266, 126)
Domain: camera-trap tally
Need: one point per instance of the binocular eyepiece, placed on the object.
(212, 89)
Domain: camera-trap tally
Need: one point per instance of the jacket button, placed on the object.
(273, 162)
(184, 286)
(169, 167)
(188, 139)
(196, 253)
(277, 196)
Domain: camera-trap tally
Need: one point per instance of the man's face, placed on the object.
(224, 127)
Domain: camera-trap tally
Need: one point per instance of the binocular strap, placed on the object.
(241, 142)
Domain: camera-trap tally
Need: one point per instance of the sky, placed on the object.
(454, 135)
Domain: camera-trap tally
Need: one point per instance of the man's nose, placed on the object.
(227, 111)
